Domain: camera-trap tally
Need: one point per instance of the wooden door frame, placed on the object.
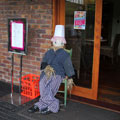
(58, 12)
(59, 18)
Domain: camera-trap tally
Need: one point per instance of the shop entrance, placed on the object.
(109, 75)
(85, 42)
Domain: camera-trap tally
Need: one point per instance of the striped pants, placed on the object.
(48, 90)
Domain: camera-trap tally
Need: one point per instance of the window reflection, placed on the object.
(81, 41)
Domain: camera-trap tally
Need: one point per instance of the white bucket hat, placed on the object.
(59, 34)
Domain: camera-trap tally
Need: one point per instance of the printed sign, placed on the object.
(17, 30)
(17, 35)
(80, 20)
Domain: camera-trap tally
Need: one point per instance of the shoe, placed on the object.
(46, 111)
(33, 109)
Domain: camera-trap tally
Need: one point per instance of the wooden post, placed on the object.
(96, 58)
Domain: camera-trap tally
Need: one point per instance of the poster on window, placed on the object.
(17, 36)
(79, 20)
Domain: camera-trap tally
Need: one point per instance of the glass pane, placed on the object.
(81, 40)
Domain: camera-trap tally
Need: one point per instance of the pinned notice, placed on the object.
(80, 20)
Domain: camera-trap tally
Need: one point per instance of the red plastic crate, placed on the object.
(30, 86)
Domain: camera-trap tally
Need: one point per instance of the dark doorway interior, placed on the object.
(109, 75)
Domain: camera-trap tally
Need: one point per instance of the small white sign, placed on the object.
(17, 35)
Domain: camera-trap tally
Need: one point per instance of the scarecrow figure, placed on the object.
(55, 66)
